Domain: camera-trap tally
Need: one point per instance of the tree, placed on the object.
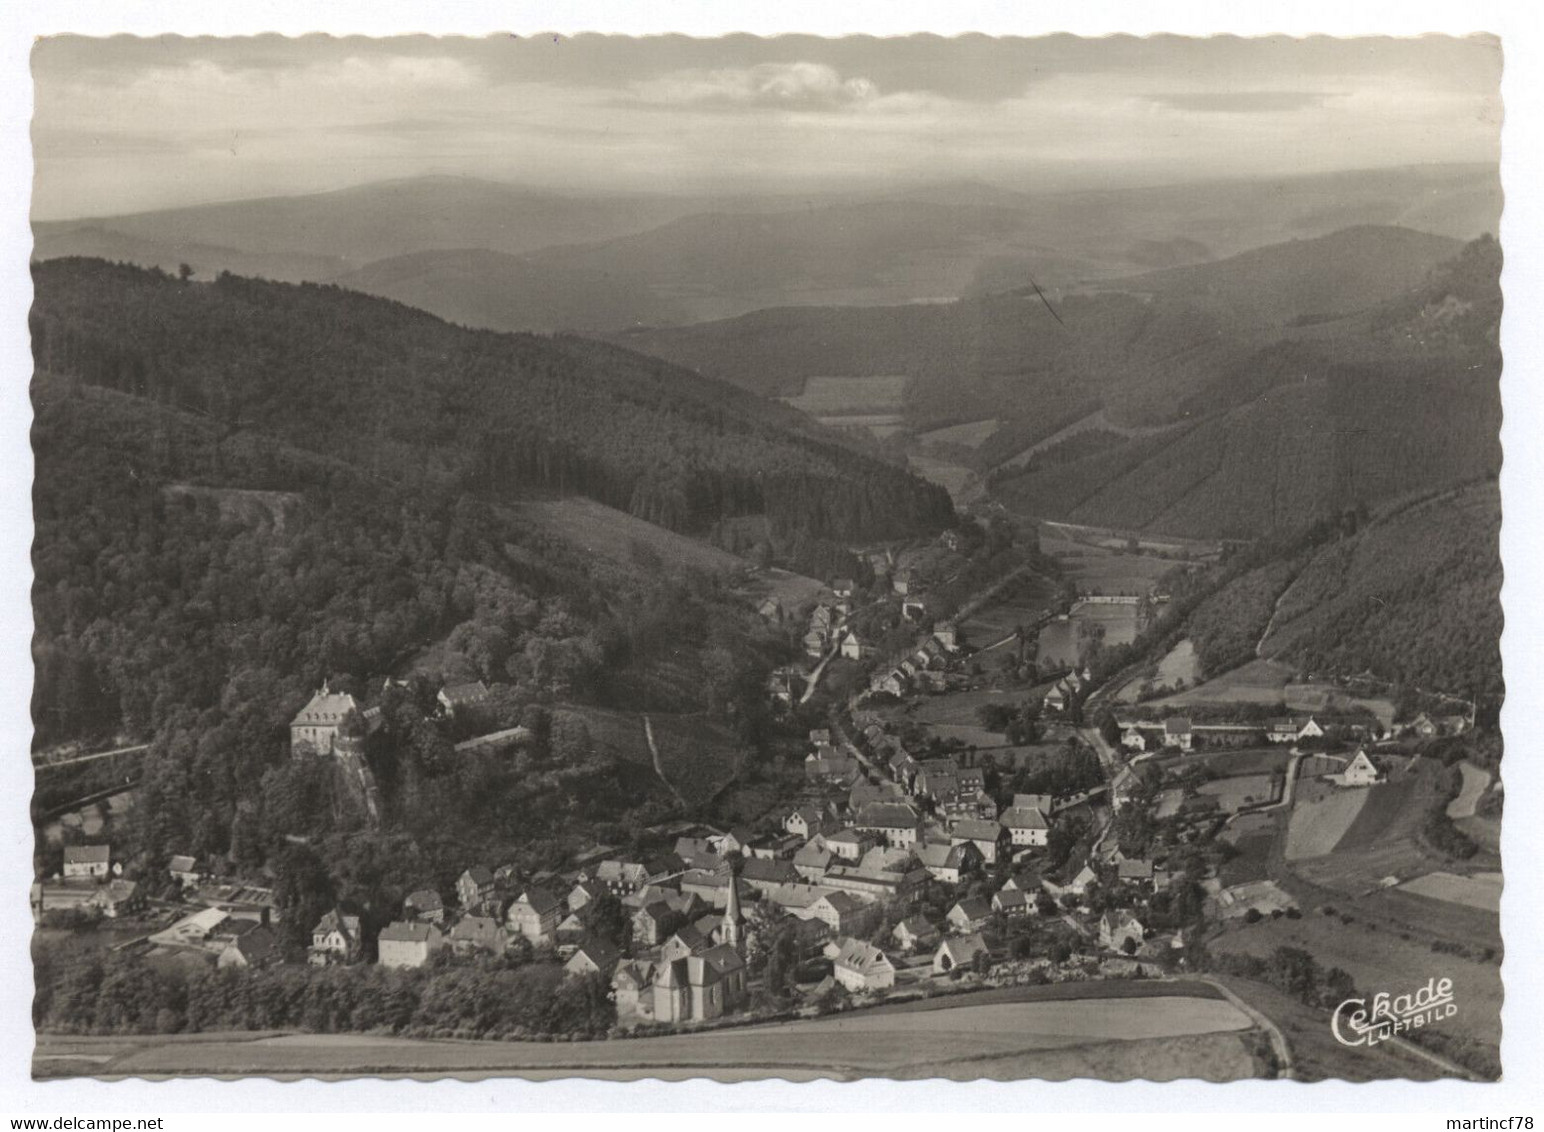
(184, 272)
(1129, 945)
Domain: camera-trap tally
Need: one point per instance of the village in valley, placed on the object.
(974, 803)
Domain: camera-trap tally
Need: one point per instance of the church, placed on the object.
(696, 978)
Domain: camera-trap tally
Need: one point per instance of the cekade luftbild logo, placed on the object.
(1357, 1022)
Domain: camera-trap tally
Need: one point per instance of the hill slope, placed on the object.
(1414, 598)
(494, 291)
(405, 395)
(1330, 275)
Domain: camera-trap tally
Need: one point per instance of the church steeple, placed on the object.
(733, 931)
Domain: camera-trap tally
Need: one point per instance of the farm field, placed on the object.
(852, 396)
(1179, 663)
(1320, 818)
(1259, 760)
(1475, 783)
(1329, 698)
(1258, 682)
(1380, 960)
(1023, 604)
(1155, 1036)
(963, 485)
(1482, 890)
(972, 434)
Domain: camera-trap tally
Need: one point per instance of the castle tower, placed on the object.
(733, 931)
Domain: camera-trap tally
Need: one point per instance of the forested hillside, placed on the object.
(409, 397)
(244, 488)
(1413, 598)
(164, 614)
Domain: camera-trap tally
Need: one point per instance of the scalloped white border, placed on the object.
(1523, 398)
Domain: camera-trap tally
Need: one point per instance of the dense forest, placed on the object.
(416, 400)
(203, 619)
(1414, 598)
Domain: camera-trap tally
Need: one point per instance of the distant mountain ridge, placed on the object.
(708, 257)
(1276, 407)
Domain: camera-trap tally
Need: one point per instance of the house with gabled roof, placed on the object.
(315, 729)
(1361, 771)
(456, 697)
(404, 944)
(947, 863)
(968, 915)
(535, 915)
(475, 887)
(989, 838)
(860, 966)
(335, 939)
(259, 947)
(184, 870)
(849, 844)
(592, 957)
(959, 952)
(1177, 732)
(1011, 902)
(914, 933)
(633, 991)
(812, 860)
(424, 905)
(86, 862)
(478, 933)
(1117, 926)
(760, 874)
(844, 913)
(584, 893)
(896, 822)
(1026, 825)
(119, 897)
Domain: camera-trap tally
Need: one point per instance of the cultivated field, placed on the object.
(1258, 682)
(1328, 698)
(1320, 818)
(1179, 663)
(1024, 603)
(1160, 1037)
(1482, 890)
(963, 485)
(842, 396)
(972, 434)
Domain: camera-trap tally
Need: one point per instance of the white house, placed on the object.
(1359, 772)
(86, 862)
(860, 966)
(405, 944)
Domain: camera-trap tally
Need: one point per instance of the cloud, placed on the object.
(1243, 101)
(807, 87)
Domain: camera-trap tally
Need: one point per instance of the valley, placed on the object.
(1060, 657)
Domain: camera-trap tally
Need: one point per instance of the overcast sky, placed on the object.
(125, 124)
